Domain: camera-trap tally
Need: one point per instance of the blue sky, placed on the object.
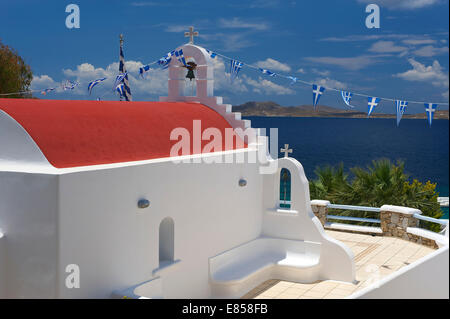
(323, 41)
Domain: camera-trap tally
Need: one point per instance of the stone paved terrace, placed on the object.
(375, 258)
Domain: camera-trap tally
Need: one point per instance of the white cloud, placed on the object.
(430, 51)
(386, 47)
(237, 23)
(351, 63)
(403, 4)
(330, 83)
(433, 74)
(418, 41)
(301, 70)
(264, 86)
(155, 84)
(273, 65)
(41, 82)
(321, 72)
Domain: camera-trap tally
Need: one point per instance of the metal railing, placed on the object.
(431, 219)
(355, 208)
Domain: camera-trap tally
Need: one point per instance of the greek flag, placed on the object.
(94, 83)
(347, 97)
(430, 108)
(119, 79)
(69, 85)
(267, 72)
(317, 92)
(235, 67)
(180, 57)
(165, 60)
(44, 92)
(373, 102)
(211, 54)
(121, 89)
(401, 108)
(293, 79)
(143, 70)
(127, 90)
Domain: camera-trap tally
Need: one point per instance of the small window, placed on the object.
(285, 188)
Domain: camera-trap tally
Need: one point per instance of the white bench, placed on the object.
(236, 271)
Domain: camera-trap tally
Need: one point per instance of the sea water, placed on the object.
(356, 142)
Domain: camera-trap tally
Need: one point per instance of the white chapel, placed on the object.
(172, 199)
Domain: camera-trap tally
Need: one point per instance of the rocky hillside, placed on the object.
(273, 109)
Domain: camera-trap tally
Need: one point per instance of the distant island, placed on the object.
(273, 109)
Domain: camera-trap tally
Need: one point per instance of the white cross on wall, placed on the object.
(191, 35)
(286, 150)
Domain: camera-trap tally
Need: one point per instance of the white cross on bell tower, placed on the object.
(286, 150)
(191, 34)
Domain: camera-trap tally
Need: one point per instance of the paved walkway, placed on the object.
(375, 258)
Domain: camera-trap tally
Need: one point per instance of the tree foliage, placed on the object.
(15, 74)
(382, 182)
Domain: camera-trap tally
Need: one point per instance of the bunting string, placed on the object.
(235, 67)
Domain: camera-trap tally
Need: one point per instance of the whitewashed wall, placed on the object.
(116, 244)
(28, 218)
(426, 278)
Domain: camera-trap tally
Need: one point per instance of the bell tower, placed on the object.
(204, 78)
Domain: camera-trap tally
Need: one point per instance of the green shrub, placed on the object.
(381, 183)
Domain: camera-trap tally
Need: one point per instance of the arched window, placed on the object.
(166, 241)
(285, 188)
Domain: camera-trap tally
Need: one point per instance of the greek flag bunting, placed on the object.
(94, 83)
(347, 97)
(267, 72)
(122, 69)
(372, 103)
(44, 92)
(119, 79)
(293, 79)
(317, 92)
(180, 57)
(401, 108)
(143, 69)
(235, 67)
(69, 85)
(430, 108)
(211, 54)
(121, 89)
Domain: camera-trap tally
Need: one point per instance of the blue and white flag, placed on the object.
(119, 79)
(430, 108)
(180, 57)
(121, 89)
(347, 97)
(44, 92)
(122, 69)
(144, 69)
(267, 72)
(94, 83)
(293, 79)
(69, 85)
(372, 103)
(211, 54)
(165, 60)
(401, 108)
(235, 67)
(317, 92)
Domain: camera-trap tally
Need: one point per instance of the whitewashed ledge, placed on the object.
(320, 202)
(400, 210)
